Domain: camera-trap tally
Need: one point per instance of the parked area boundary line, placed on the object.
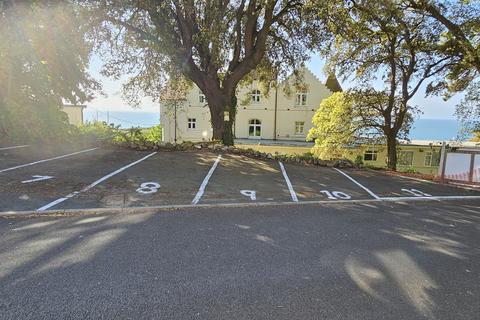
(289, 184)
(370, 192)
(201, 189)
(15, 147)
(46, 160)
(93, 184)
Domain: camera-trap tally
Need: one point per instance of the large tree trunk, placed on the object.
(392, 151)
(222, 114)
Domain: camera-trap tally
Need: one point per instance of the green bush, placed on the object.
(359, 161)
(98, 131)
(154, 134)
(410, 170)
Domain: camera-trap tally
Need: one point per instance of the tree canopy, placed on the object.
(381, 41)
(43, 61)
(215, 44)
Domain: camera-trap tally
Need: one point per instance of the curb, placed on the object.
(154, 209)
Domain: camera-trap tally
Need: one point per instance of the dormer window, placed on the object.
(256, 96)
(301, 99)
(201, 97)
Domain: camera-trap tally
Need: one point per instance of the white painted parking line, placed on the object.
(201, 190)
(92, 185)
(289, 184)
(15, 147)
(45, 160)
(358, 184)
(397, 199)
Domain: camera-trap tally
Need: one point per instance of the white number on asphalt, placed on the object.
(416, 193)
(37, 178)
(334, 195)
(148, 187)
(249, 193)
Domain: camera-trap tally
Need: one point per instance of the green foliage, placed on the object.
(215, 44)
(44, 58)
(99, 131)
(410, 170)
(154, 134)
(359, 161)
(333, 127)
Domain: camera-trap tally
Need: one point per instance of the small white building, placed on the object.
(277, 116)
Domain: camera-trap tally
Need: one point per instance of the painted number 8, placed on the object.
(148, 187)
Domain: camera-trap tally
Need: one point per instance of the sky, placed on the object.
(432, 107)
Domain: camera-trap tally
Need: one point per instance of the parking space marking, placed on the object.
(15, 147)
(289, 184)
(201, 190)
(92, 185)
(358, 184)
(37, 178)
(46, 160)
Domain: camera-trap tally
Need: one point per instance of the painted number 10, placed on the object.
(335, 195)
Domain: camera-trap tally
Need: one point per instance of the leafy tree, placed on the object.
(460, 42)
(381, 40)
(215, 44)
(350, 118)
(43, 62)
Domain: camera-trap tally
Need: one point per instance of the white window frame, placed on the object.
(429, 155)
(400, 158)
(256, 96)
(301, 99)
(192, 123)
(201, 97)
(373, 153)
(257, 123)
(299, 124)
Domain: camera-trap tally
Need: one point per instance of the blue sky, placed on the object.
(433, 107)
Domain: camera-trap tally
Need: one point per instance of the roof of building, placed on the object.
(451, 143)
(332, 84)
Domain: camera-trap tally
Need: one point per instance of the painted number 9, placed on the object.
(148, 187)
(334, 195)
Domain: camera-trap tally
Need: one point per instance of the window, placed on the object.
(201, 97)
(405, 158)
(256, 96)
(432, 159)
(254, 128)
(370, 155)
(299, 127)
(192, 123)
(301, 99)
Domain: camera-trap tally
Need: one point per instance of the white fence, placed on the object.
(461, 166)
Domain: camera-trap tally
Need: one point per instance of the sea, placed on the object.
(422, 129)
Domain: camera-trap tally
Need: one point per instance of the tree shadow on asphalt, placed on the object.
(342, 261)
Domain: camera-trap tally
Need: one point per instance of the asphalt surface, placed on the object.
(40, 178)
(346, 260)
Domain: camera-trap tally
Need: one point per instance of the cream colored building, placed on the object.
(276, 116)
(74, 113)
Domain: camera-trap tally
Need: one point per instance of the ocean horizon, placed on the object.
(422, 129)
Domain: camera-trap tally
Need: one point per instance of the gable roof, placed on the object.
(332, 84)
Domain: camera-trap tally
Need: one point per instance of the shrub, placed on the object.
(359, 161)
(154, 134)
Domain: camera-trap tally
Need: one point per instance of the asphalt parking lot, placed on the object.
(40, 179)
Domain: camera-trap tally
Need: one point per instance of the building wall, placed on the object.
(75, 114)
(418, 157)
(418, 161)
(287, 113)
